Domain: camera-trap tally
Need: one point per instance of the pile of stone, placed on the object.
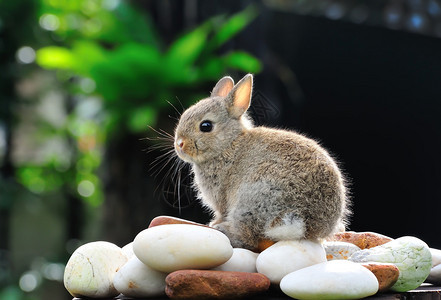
(186, 260)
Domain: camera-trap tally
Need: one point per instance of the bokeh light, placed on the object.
(49, 22)
(25, 55)
(29, 281)
(86, 188)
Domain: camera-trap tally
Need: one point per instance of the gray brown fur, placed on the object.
(260, 183)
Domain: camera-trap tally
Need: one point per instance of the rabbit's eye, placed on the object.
(206, 126)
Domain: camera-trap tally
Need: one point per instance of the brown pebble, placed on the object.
(263, 244)
(387, 274)
(208, 284)
(364, 240)
(165, 220)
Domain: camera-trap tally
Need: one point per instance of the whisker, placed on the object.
(158, 161)
(171, 173)
(167, 175)
(173, 118)
(179, 191)
(162, 134)
(166, 134)
(174, 107)
(182, 106)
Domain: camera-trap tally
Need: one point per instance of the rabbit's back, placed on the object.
(299, 177)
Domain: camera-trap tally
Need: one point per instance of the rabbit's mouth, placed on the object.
(183, 151)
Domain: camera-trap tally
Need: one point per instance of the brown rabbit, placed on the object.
(260, 183)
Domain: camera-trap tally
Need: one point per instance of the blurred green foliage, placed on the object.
(128, 64)
(110, 50)
(115, 76)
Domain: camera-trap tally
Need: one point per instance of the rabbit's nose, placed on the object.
(180, 143)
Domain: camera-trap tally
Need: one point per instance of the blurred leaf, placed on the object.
(212, 68)
(53, 57)
(39, 179)
(180, 67)
(86, 55)
(130, 71)
(141, 118)
(186, 49)
(79, 59)
(233, 26)
(134, 26)
(243, 61)
(11, 293)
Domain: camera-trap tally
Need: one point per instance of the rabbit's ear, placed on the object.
(223, 87)
(240, 97)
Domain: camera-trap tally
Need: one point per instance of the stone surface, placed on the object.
(166, 220)
(136, 279)
(175, 247)
(336, 279)
(387, 274)
(435, 272)
(91, 269)
(128, 250)
(410, 254)
(287, 256)
(339, 250)
(203, 284)
(264, 244)
(363, 240)
(243, 260)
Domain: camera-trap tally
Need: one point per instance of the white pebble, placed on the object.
(128, 250)
(336, 279)
(91, 268)
(285, 257)
(339, 250)
(435, 271)
(173, 247)
(136, 279)
(243, 260)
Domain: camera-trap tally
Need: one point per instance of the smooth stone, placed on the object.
(339, 250)
(243, 260)
(285, 257)
(263, 244)
(410, 254)
(91, 269)
(436, 256)
(128, 250)
(203, 284)
(434, 275)
(336, 279)
(175, 247)
(387, 274)
(136, 279)
(435, 272)
(363, 240)
(166, 220)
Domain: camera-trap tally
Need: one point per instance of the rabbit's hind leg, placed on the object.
(239, 235)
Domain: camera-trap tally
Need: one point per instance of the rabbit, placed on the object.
(259, 183)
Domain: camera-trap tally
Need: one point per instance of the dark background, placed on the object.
(371, 95)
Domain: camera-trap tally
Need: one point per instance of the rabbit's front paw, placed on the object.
(215, 222)
(221, 226)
